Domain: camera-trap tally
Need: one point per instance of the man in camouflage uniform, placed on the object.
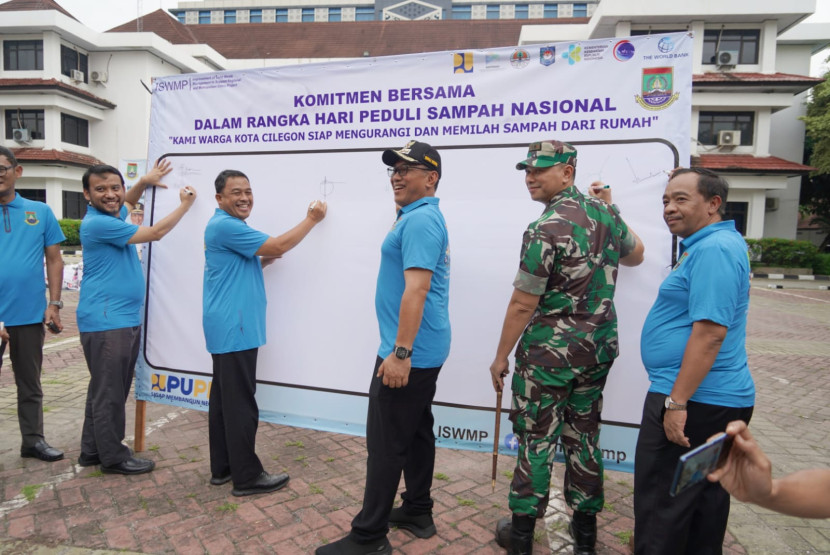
(562, 314)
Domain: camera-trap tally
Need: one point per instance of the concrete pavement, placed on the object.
(63, 508)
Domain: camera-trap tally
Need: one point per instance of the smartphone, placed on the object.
(53, 327)
(692, 467)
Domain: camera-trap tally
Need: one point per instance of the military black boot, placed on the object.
(516, 534)
(583, 530)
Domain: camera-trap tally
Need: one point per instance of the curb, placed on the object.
(791, 276)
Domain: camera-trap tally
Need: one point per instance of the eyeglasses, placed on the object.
(4, 169)
(404, 169)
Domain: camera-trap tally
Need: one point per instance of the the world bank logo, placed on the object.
(665, 45)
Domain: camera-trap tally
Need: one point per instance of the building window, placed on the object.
(580, 10)
(640, 32)
(737, 211)
(551, 10)
(364, 13)
(204, 17)
(710, 123)
(308, 14)
(743, 41)
(334, 14)
(520, 11)
(255, 16)
(181, 17)
(71, 60)
(282, 15)
(32, 120)
(493, 11)
(33, 194)
(21, 55)
(462, 12)
(74, 205)
(74, 131)
(230, 16)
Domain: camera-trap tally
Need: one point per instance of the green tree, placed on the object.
(815, 188)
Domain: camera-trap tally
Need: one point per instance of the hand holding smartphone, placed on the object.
(692, 467)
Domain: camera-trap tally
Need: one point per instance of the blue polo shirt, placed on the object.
(28, 228)
(112, 289)
(709, 282)
(233, 298)
(418, 239)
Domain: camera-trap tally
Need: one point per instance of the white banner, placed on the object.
(317, 131)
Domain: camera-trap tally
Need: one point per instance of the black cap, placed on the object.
(414, 151)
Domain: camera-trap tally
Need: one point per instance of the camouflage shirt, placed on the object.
(570, 257)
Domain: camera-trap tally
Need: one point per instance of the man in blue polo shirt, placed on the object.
(233, 318)
(108, 314)
(411, 302)
(30, 232)
(693, 347)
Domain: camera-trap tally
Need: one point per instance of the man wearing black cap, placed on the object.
(562, 315)
(411, 300)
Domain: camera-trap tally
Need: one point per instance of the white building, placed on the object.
(80, 95)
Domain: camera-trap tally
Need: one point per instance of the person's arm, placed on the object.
(275, 247)
(520, 310)
(702, 349)
(747, 475)
(634, 257)
(394, 371)
(54, 279)
(151, 179)
(146, 234)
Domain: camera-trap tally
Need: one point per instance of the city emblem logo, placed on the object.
(132, 170)
(547, 55)
(623, 51)
(31, 218)
(462, 62)
(573, 55)
(519, 59)
(657, 86)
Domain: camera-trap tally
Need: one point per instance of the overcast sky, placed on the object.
(103, 15)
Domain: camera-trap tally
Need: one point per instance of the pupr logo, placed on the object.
(462, 62)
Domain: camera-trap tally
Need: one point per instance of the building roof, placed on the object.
(61, 156)
(750, 82)
(33, 5)
(161, 23)
(341, 40)
(746, 163)
(53, 84)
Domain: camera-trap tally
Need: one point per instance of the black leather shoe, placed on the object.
(219, 480)
(265, 483)
(347, 546)
(132, 465)
(88, 460)
(41, 450)
(420, 525)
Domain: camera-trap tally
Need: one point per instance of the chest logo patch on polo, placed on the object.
(683, 257)
(31, 218)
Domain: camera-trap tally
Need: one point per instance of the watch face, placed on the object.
(401, 352)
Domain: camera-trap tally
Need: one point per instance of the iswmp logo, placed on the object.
(573, 55)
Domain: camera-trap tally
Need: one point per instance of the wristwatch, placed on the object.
(58, 304)
(402, 352)
(671, 405)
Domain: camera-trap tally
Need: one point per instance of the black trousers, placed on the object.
(233, 417)
(110, 356)
(399, 439)
(693, 522)
(26, 355)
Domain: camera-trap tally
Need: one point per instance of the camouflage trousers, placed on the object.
(549, 404)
